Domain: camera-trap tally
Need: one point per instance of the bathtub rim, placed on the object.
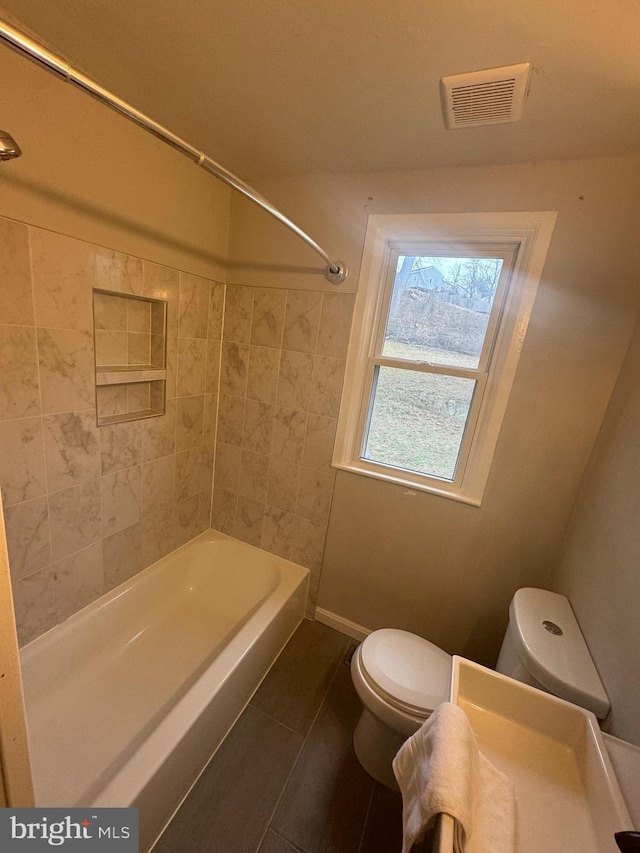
(107, 598)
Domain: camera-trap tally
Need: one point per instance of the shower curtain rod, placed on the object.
(335, 272)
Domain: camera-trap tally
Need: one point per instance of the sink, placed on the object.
(567, 795)
(625, 758)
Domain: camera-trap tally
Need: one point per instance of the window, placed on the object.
(442, 308)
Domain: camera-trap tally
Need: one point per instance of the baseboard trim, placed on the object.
(339, 623)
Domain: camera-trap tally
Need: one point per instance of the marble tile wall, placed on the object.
(86, 507)
(282, 367)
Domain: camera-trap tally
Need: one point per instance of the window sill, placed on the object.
(443, 491)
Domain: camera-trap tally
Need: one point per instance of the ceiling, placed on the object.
(283, 87)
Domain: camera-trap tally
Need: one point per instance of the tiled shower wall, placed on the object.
(283, 359)
(88, 506)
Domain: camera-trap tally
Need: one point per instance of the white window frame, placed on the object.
(529, 233)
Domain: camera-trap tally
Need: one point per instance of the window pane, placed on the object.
(417, 421)
(440, 309)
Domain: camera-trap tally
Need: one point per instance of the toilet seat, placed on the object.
(407, 671)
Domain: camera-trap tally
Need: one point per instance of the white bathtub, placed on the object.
(128, 699)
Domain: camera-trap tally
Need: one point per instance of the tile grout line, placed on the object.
(366, 818)
(41, 416)
(373, 787)
(340, 659)
(286, 841)
(217, 393)
(297, 758)
(274, 719)
(290, 773)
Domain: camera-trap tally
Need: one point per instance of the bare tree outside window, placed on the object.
(442, 308)
(439, 313)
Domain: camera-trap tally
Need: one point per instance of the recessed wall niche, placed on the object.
(130, 356)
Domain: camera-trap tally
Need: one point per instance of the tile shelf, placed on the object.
(105, 420)
(130, 336)
(128, 374)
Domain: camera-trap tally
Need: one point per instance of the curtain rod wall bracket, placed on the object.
(337, 273)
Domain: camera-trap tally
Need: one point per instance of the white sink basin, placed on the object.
(567, 795)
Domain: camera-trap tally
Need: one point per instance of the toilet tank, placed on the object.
(544, 647)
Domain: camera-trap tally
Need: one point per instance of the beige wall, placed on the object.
(86, 506)
(430, 565)
(599, 567)
(90, 173)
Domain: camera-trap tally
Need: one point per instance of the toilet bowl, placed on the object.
(401, 678)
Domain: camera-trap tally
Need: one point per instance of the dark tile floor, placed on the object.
(286, 779)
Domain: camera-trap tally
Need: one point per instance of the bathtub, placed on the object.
(129, 698)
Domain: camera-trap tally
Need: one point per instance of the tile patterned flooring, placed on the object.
(286, 779)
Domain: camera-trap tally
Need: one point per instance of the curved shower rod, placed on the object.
(335, 272)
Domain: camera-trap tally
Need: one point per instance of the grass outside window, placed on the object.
(442, 309)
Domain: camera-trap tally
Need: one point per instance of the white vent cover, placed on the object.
(494, 96)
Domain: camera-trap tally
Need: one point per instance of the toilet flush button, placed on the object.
(552, 628)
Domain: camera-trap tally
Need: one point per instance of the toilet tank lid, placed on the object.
(560, 662)
(408, 670)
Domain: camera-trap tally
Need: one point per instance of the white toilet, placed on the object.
(400, 677)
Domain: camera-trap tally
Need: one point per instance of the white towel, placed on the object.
(440, 769)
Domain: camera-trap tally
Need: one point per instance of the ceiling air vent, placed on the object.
(494, 96)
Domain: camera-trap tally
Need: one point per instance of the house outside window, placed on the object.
(442, 309)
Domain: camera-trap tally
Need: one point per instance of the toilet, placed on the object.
(401, 678)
